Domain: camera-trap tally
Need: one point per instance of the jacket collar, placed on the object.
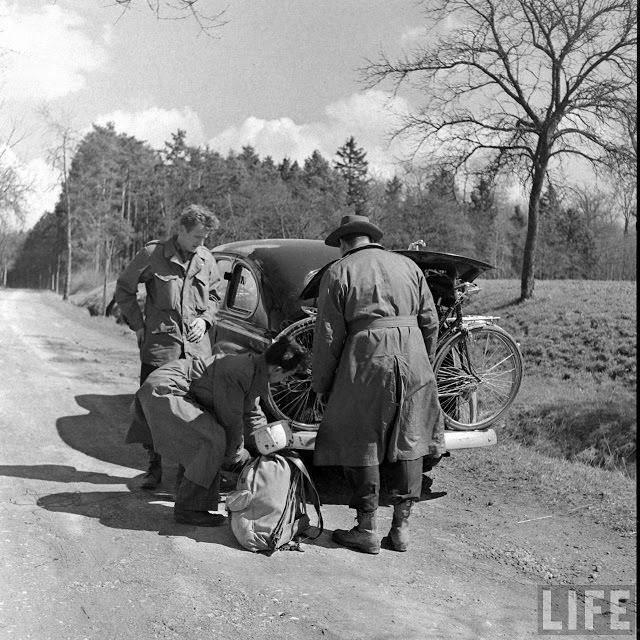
(172, 252)
(370, 245)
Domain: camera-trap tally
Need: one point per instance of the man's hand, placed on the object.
(196, 331)
(140, 337)
(234, 463)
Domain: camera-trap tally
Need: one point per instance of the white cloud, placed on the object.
(369, 117)
(427, 34)
(276, 138)
(155, 125)
(45, 53)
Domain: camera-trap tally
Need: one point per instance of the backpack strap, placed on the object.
(289, 502)
(308, 482)
(299, 483)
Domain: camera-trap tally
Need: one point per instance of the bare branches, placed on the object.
(14, 186)
(518, 68)
(207, 18)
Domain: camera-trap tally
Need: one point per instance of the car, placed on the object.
(270, 287)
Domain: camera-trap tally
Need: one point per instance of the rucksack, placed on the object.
(268, 509)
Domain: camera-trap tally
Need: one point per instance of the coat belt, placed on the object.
(392, 322)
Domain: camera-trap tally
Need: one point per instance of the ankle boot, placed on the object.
(398, 537)
(363, 537)
(151, 479)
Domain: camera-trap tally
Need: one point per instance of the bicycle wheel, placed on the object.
(478, 372)
(293, 399)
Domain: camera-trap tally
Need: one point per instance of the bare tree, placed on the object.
(518, 82)
(60, 154)
(208, 18)
(13, 186)
(623, 161)
(14, 189)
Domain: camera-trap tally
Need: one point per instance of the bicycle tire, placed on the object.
(478, 372)
(294, 399)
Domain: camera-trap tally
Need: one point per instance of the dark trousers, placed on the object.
(403, 479)
(193, 497)
(145, 370)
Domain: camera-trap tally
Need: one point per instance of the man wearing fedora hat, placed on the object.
(375, 338)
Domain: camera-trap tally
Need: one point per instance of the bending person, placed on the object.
(199, 412)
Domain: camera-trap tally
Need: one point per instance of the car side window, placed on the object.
(244, 294)
(224, 266)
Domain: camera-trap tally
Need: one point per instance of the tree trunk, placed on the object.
(107, 268)
(58, 275)
(528, 258)
(67, 282)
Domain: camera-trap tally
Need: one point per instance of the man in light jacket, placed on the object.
(180, 277)
(374, 341)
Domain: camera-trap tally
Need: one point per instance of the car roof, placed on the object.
(285, 261)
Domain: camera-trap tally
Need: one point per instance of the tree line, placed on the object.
(120, 193)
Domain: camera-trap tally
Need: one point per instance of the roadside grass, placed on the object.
(566, 488)
(83, 281)
(578, 342)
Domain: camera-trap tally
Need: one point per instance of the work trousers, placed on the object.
(403, 479)
(145, 371)
(193, 497)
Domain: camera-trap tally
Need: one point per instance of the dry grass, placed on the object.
(578, 341)
(566, 487)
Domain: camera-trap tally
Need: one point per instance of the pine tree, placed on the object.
(353, 167)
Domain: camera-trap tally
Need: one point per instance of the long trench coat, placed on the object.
(199, 411)
(375, 337)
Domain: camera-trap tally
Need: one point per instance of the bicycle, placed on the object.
(478, 365)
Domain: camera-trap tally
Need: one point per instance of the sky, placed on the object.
(280, 75)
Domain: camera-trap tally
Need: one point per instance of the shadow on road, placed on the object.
(59, 473)
(134, 509)
(100, 433)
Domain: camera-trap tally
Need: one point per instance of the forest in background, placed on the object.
(120, 193)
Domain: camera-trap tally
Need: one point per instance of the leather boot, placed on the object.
(198, 518)
(363, 537)
(179, 477)
(151, 479)
(398, 537)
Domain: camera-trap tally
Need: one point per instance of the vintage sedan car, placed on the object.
(268, 289)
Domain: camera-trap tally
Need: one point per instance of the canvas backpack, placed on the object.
(268, 509)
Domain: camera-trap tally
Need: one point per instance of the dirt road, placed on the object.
(87, 554)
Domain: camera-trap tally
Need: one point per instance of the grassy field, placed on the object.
(578, 341)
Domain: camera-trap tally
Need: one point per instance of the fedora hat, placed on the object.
(353, 224)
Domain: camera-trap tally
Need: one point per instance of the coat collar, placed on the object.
(370, 245)
(172, 253)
